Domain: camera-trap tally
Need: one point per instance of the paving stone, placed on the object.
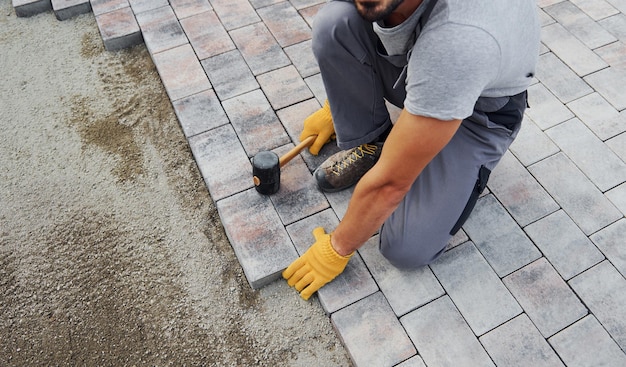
(618, 143)
(181, 72)
(297, 196)
(316, 85)
(572, 51)
(545, 297)
(28, 8)
(594, 158)
(259, 48)
(404, 289)
(586, 343)
(309, 13)
(531, 144)
(560, 79)
(499, 238)
(618, 4)
(596, 9)
(614, 54)
(235, 13)
(206, 34)
(140, 6)
(618, 197)
(545, 109)
(564, 244)
(339, 201)
(573, 191)
(119, 29)
(519, 192)
(610, 241)
(579, 25)
(229, 74)
(459, 238)
(302, 4)
(518, 343)
(545, 3)
(104, 6)
(284, 87)
(475, 288)
(354, 284)
(442, 336)
(599, 116)
(372, 334)
(188, 8)
(263, 3)
(610, 84)
(544, 18)
(616, 25)
(66, 9)
(415, 361)
(301, 55)
(262, 245)
(255, 122)
(285, 23)
(161, 30)
(222, 162)
(199, 113)
(603, 290)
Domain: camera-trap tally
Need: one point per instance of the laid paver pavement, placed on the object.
(537, 275)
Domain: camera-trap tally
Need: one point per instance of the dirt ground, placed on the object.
(111, 250)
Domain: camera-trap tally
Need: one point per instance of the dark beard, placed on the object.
(368, 10)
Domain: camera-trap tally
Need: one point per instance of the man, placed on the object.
(460, 70)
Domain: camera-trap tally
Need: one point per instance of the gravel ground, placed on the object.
(111, 249)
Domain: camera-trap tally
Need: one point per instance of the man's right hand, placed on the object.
(319, 123)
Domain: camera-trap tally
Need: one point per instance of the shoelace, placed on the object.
(356, 154)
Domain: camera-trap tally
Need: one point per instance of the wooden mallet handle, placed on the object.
(296, 150)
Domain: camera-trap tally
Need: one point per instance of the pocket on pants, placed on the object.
(481, 183)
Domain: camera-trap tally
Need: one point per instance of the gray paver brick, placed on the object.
(28, 8)
(475, 288)
(610, 241)
(619, 5)
(610, 84)
(222, 161)
(140, 6)
(257, 236)
(599, 116)
(519, 192)
(618, 143)
(545, 297)
(161, 30)
(372, 334)
(309, 13)
(579, 25)
(586, 343)
(499, 238)
(119, 29)
(339, 201)
(284, 87)
(588, 152)
(572, 51)
(301, 55)
(301, 4)
(404, 289)
(603, 290)
(564, 244)
(580, 198)
(596, 9)
(66, 9)
(531, 144)
(618, 197)
(259, 48)
(229, 74)
(354, 284)
(560, 79)
(442, 336)
(285, 23)
(519, 343)
(181, 72)
(415, 361)
(235, 13)
(255, 122)
(614, 54)
(206, 34)
(199, 113)
(104, 6)
(545, 109)
(187, 8)
(616, 25)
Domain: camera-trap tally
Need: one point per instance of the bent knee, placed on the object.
(334, 21)
(411, 254)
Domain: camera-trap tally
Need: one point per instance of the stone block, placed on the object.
(104, 6)
(618, 143)
(595, 9)
(531, 144)
(442, 336)
(206, 34)
(235, 13)
(66, 9)
(229, 74)
(475, 288)
(316, 85)
(199, 113)
(571, 50)
(287, 26)
(616, 25)
(28, 8)
(259, 48)
(610, 241)
(188, 8)
(140, 6)
(545, 109)
(610, 84)
(372, 334)
(119, 29)
(567, 248)
(181, 72)
(560, 79)
(301, 55)
(257, 236)
(284, 87)
(599, 116)
(617, 196)
(580, 25)
(161, 30)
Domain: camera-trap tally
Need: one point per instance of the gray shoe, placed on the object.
(344, 169)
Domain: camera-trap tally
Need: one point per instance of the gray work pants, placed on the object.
(358, 80)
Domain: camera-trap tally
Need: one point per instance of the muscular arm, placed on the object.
(413, 142)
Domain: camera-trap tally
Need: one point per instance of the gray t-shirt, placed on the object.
(467, 49)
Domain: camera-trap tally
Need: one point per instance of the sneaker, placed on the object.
(344, 169)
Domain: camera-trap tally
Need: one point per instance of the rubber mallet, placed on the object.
(266, 167)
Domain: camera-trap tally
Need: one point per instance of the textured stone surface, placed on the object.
(119, 29)
(66, 9)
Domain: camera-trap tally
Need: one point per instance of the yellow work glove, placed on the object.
(319, 265)
(319, 123)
